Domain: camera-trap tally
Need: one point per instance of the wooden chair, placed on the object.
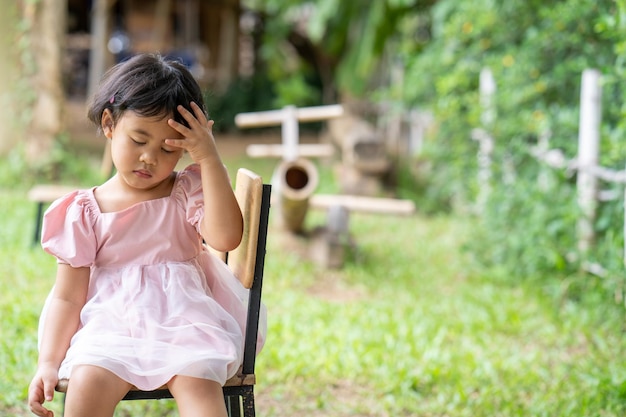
(247, 263)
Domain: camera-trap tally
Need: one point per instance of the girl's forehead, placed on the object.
(147, 126)
(132, 117)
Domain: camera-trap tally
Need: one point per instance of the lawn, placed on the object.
(410, 326)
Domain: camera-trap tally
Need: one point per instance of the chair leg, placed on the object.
(248, 402)
(38, 220)
(233, 406)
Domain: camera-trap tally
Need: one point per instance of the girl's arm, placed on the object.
(222, 225)
(62, 320)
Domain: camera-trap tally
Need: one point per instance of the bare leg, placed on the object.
(93, 392)
(197, 397)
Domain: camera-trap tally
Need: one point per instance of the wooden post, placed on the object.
(289, 118)
(290, 133)
(588, 153)
(487, 89)
(328, 245)
(99, 37)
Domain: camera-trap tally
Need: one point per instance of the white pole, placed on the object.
(290, 133)
(487, 90)
(588, 152)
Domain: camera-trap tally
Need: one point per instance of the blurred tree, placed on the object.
(46, 22)
(332, 44)
(9, 76)
(31, 36)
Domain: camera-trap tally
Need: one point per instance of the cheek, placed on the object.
(171, 159)
(121, 151)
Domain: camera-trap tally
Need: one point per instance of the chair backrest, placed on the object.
(249, 193)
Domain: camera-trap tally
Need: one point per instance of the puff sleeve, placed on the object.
(189, 193)
(68, 230)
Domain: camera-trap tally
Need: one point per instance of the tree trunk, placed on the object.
(10, 98)
(47, 36)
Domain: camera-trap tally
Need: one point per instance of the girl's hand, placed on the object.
(198, 137)
(41, 389)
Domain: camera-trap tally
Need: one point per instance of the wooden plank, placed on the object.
(363, 204)
(276, 117)
(248, 190)
(304, 150)
(48, 193)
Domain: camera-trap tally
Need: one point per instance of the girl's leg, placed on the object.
(197, 397)
(93, 392)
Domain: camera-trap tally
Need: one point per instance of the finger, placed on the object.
(36, 405)
(41, 411)
(190, 117)
(48, 390)
(198, 113)
(179, 127)
(179, 143)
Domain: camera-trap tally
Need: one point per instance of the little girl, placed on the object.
(138, 300)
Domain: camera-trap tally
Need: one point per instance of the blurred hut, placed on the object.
(204, 34)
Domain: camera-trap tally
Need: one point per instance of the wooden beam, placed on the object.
(276, 117)
(276, 150)
(363, 204)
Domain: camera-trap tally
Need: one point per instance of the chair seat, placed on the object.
(238, 380)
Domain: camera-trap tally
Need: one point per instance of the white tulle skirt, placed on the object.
(147, 324)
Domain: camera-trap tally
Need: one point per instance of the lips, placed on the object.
(142, 173)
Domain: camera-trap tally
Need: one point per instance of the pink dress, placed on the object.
(159, 304)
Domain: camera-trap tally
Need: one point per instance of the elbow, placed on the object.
(235, 242)
(227, 241)
(226, 244)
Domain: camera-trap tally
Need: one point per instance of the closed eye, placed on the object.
(137, 142)
(167, 150)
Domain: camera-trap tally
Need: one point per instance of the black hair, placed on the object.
(148, 85)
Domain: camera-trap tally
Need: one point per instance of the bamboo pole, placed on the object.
(294, 182)
(588, 155)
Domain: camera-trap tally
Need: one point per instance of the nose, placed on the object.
(148, 157)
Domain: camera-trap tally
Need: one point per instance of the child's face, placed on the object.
(138, 148)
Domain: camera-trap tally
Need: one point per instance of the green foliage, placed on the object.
(338, 43)
(63, 164)
(255, 93)
(524, 231)
(537, 52)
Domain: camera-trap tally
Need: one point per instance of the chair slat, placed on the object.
(249, 191)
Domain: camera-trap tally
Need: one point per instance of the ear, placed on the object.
(107, 123)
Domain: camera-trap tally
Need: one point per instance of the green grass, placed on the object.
(410, 326)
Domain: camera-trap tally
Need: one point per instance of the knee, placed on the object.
(88, 380)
